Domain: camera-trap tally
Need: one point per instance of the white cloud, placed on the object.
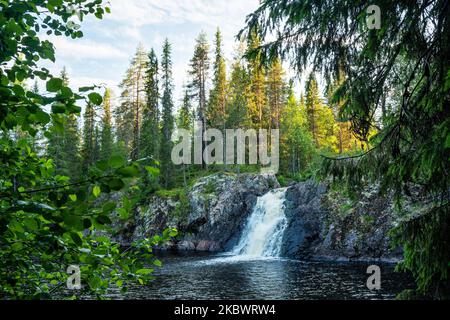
(85, 49)
(228, 14)
(103, 54)
(148, 12)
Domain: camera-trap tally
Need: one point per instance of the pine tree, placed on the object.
(139, 66)
(167, 117)
(133, 98)
(198, 71)
(150, 124)
(106, 135)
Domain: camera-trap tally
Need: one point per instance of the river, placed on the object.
(207, 276)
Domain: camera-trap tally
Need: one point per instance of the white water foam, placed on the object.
(263, 232)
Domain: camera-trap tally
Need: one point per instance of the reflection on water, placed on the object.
(229, 277)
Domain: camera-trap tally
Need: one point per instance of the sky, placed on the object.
(104, 53)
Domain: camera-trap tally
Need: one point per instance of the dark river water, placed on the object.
(227, 277)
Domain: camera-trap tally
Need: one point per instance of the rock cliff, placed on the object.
(321, 223)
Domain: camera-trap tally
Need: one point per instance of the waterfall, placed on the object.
(263, 232)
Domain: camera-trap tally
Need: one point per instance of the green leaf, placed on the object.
(157, 263)
(144, 271)
(16, 246)
(116, 161)
(152, 171)
(42, 117)
(108, 207)
(102, 165)
(30, 223)
(95, 98)
(123, 213)
(87, 223)
(96, 191)
(128, 172)
(54, 84)
(18, 90)
(103, 220)
(58, 107)
(85, 89)
(94, 282)
(173, 232)
(76, 238)
(55, 3)
(73, 221)
(447, 141)
(116, 184)
(66, 93)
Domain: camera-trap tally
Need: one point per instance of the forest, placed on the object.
(74, 160)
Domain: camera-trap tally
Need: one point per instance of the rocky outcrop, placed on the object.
(321, 223)
(304, 212)
(324, 224)
(210, 216)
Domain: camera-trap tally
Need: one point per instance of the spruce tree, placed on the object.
(64, 141)
(150, 124)
(217, 113)
(185, 121)
(124, 115)
(167, 117)
(320, 117)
